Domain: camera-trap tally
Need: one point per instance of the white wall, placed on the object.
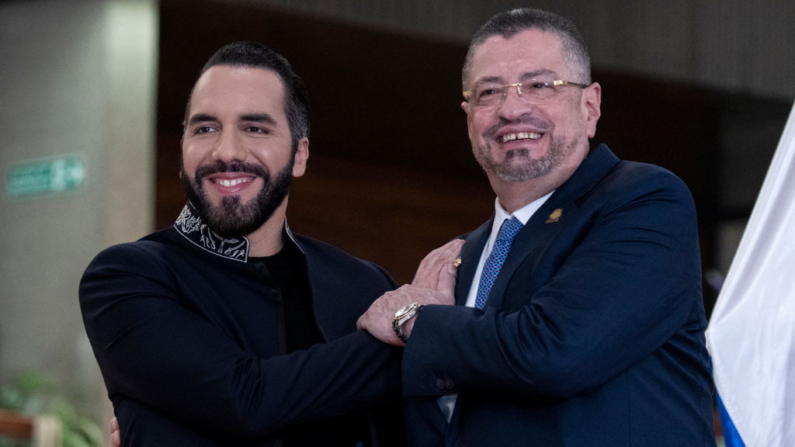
(78, 77)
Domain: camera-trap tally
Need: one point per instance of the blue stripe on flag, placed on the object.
(730, 434)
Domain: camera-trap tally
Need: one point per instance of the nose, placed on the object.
(514, 103)
(229, 147)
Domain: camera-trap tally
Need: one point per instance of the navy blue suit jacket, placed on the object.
(593, 334)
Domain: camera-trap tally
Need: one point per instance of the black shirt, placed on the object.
(287, 270)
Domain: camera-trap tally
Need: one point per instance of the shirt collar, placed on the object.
(191, 226)
(291, 237)
(523, 214)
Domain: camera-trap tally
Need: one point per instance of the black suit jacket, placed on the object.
(593, 334)
(190, 344)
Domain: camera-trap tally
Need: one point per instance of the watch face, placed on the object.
(404, 310)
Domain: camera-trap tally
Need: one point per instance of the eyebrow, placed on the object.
(523, 77)
(258, 118)
(255, 117)
(488, 80)
(201, 118)
(536, 73)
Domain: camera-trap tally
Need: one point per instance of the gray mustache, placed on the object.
(536, 123)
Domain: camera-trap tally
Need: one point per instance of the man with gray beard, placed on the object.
(579, 319)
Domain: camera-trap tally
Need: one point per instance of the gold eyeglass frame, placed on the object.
(556, 83)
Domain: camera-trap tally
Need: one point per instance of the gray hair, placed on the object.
(509, 23)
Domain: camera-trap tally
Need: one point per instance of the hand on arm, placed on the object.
(612, 299)
(437, 271)
(433, 284)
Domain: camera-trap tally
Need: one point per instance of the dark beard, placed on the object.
(232, 219)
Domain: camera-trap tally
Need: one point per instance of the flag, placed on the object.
(751, 335)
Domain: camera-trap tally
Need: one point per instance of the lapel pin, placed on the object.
(555, 216)
(457, 262)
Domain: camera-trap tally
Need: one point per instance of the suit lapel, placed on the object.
(470, 256)
(551, 217)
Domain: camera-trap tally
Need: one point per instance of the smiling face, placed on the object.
(519, 139)
(237, 151)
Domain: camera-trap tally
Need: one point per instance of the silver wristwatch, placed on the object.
(403, 315)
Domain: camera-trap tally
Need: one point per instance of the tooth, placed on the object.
(521, 136)
(229, 183)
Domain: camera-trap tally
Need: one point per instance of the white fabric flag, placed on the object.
(751, 335)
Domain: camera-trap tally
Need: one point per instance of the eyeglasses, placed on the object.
(535, 91)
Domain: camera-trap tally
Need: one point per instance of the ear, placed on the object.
(592, 103)
(301, 156)
(468, 110)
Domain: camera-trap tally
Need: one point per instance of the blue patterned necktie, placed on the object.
(508, 231)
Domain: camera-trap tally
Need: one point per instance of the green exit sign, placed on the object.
(53, 175)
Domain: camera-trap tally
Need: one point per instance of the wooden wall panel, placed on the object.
(393, 216)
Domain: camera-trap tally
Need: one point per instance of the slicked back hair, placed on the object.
(508, 24)
(256, 55)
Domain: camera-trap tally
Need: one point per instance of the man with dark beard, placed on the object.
(579, 320)
(227, 329)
